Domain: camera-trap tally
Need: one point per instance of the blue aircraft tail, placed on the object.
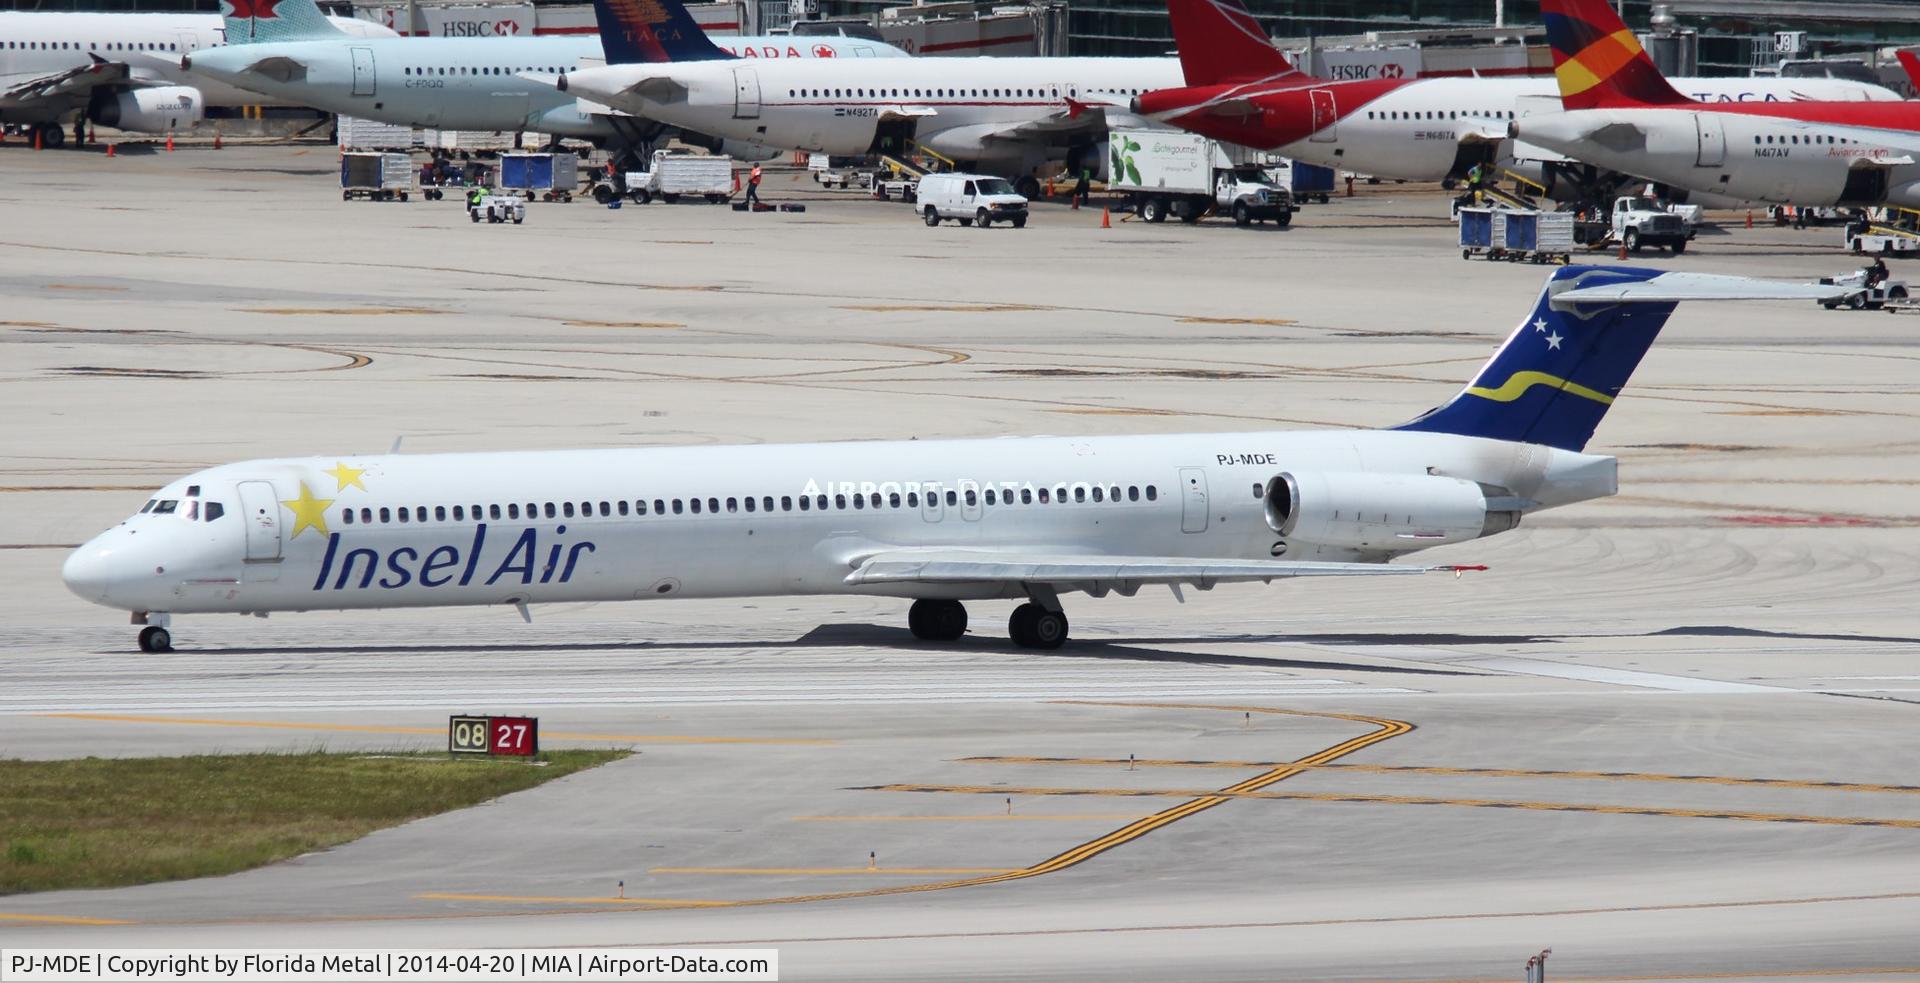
(260, 21)
(1560, 370)
(652, 31)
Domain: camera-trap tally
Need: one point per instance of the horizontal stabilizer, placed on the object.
(1672, 287)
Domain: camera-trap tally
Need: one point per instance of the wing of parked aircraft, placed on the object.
(74, 83)
(1098, 572)
(640, 83)
(1075, 119)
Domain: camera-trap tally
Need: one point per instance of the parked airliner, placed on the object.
(472, 83)
(1241, 89)
(118, 70)
(1620, 113)
(940, 522)
(1009, 116)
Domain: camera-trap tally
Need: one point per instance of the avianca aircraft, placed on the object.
(1241, 89)
(119, 70)
(469, 83)
(940, 522)
(1621, 114)
(1004, 115)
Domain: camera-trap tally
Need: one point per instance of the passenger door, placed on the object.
(1325, 116)
(1193, 500)
(260, 514)
(1713, 140)
(746, 93)
(362, 71)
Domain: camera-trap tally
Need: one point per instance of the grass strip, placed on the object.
(110, 822)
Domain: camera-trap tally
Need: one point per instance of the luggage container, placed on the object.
(1517, 235)
(1476, 231)
(375, 176)
(1309, 181)
(551, 176)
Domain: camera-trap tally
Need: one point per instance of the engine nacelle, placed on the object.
(1384, 512)
(157, 110)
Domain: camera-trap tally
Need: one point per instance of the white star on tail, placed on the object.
(1540, 325)
(1554, 340)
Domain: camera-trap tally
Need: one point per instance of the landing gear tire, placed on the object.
(53, 136)
(1028, 187)
(1035, 627)
(937, 621)
(154, 638)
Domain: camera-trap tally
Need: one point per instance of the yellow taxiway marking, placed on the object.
(373, 729)
(778, 871)
(993, 817)
(1419, 800)
(1383, 729)
(1618, 776)
(548, 899)
(59, 920)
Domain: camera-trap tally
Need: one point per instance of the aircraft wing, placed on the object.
(1074, 119)
(1671, 287)
(1099, 572)
(25, 89)
(594, 84)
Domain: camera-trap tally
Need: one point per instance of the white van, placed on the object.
(970, 198)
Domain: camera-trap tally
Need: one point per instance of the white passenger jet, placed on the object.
(1620, 113)
(118, 70)
(940, 522)
(1241, 89)
(1008, 116)
(474, 83)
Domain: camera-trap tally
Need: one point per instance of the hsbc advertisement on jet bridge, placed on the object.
(1379, 63)
(503, 21)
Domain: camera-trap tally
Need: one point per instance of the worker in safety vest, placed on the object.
(753, 186)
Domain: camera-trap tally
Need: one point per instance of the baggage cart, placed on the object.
(1476, 232)
(551, 176)
(375, 176)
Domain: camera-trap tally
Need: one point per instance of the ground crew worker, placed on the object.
(1476, 177)
(1082, 188)
(1876, 273)
(753, 187)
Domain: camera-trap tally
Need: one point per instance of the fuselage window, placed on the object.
(805, 503)
(1097, 493)
(696, 505)
(913, 500)
(839, 501)
(660, 506)
(1079, 494)
(566, 510)
(346, 516)
(893, 500)
(623, 506)
(766, 503)
(1026, 496)
(513, 510)
(820, 502)
(952, 499)
(748, 502)
(1153, 493)
(1045, 496)
(786, 503)
(405, 516)
(535, 511)
(460, 513)
(733, 505)
(215, 510)
(385, 515)
(859, 501)
(972, 499)
(1257, 489)
(493, 511)
(420, 513)
(678, 506)
(1060, 494)
(713, 505)
(439, 513)
(989, 497)
(366, 517)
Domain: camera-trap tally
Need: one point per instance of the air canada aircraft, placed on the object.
(470, 83)
(1241, 89)
(939, 522)
(118, 70)
(1620, 113)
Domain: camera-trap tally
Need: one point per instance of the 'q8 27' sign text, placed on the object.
(515, 736)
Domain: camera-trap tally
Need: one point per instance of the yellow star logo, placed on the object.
(346, 476)
(308, 511)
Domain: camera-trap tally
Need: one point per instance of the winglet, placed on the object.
(1221, 42)
(1598, 62)
(652, 31)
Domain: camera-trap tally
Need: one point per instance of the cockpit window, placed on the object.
(166, 506)
(215, 510)
(193, 510)
(193, 491)
(151, 502)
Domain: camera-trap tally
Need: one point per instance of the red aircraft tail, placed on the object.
(1910, 62)
(1220, 42)
(1598, 61)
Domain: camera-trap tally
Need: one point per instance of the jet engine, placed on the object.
(155, 110)
(1383, 512)
(737, 149)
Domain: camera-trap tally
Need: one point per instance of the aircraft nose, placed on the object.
(88, 573)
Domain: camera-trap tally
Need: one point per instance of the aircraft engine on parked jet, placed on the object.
(1383, 512)
(154, 110)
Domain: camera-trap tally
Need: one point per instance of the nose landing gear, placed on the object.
(154, 638)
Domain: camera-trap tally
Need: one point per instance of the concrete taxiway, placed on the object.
(1667, 735)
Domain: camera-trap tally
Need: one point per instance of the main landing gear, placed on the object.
(1037, 624)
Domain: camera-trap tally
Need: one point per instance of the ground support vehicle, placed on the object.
(496, 209)
(375, 176)
(1889, 293)
(672, 175)
(1188, 176)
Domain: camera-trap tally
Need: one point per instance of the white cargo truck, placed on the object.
(673, 174)
(1186, 175)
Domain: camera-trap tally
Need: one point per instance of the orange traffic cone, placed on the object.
(216, 139)
(169, 143)
(1749, 218)
(1049, 187)
(109, 150)
(1623, 249)
(1106, 218)
(36, 139)
(92, 137)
